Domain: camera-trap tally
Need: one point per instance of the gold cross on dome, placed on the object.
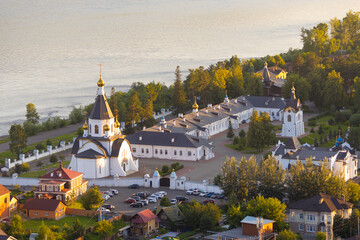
(100, 68)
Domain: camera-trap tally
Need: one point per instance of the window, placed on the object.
(112, 128)
(292, 215)
(180, 153)
(301, 216)
(175, 152)
(189, 153)
(35, 213)
(301, 227)
(272, 114)
(310, 228)
(311, 217)
(5, 200)
(96, 129)
(156, 151)
(277, 114)
(160, 151)
(134, 149)
(165, 152)
(289, 118)
(104, 128)
(99, 169)
(46, 214)
(142, 150)
(90, 128)
(147, 150)
(322, 218)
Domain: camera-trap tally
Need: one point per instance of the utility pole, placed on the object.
(259, 226)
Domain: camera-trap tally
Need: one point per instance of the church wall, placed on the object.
(86, 166)
(274, 113)
(100, 123)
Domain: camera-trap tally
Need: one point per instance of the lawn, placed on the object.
(185, 235)
(76, 205)
(116, 226)
(248, 150)
(34, 174)
(34, 224)
(55, 165)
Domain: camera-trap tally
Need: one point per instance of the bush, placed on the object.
(175, 165)
(355, 120)
(236, 140)
(39, 164)
(48, 142)
(312, 130)
(40, 146)
(331, 121)
(242, 133)
(80, 131)
(25, 167)
(340, 117)
(165, 202)
(103, 228)
(53, 158)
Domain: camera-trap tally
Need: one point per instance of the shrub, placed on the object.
(40, 146)
(165, 168)
(331, 121)
(48, 142)
(340, 117)
(236, 140)
(165, 202)
(175, 165)
(312, 130)
(355, 120)
(53, 158)
(39, 164)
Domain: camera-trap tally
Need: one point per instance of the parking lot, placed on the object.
(124, 193)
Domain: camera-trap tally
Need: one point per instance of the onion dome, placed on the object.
(85, 126)
(101, 82)
(156, 173)
(173, 174)
(106, 128)
(195, 106)
(116, 124)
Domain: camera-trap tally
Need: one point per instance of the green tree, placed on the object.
(25, 167)
(235, 215)
(165, 202)
(320, 236)
(179, 96)
(53, 159)
(301, 84)
(316, 39)
(45, 233)
(333, 90)
(18, 168)
(253, 84)
(152, 90)
(17, 228)
(271, 177)
(31, 114)
(18, 138)
(103, 228)
(260, 131)
(230, 134)
(287, 235)
(134, 109)
(92, 199)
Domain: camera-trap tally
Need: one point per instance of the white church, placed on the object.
(102, 150)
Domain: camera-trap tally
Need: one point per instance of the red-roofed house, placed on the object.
(61, 184)
(144, 223)
(44, 208)
(4, 202)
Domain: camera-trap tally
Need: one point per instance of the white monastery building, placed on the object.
(102, 150)
(293, 124)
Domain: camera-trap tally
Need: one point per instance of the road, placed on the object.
(42, 136)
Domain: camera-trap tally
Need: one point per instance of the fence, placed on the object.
(116, 182)
(202, 187)
(23, 158)
(81, 212)
(12, 181)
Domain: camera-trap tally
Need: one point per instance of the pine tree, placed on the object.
(18, 138)
(230, 134)
(179, 96)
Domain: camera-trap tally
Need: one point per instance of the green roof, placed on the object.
(173, 213)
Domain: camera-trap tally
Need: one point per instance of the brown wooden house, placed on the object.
(44, 208)
(4, 202)
(144, 223)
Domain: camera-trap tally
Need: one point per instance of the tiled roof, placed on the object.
(173, 213)
(3, 190)
(101, 109)
(90, 153)
(42, 204)
(62, 173)
(116, 147)
(52, 182)
(144, 217)
(321, 203)
(266, 102)
(292, 143)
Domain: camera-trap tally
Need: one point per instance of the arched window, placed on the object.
(289, 118)
(112, 128)
(96, 129)
(90, 128)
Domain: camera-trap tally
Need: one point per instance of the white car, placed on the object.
(203, 194)
(152, 200)
(173, 201)
(106, 197)
(103, 209)
(189, 192)
(114, 191)
(160, 195)
(157, 197)
(163, 193)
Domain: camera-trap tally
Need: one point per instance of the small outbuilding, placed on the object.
(144, 223)
(170, 217)
(251, 226)
(44, 208)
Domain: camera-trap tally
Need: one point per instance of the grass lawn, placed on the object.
(34, 224)
(34, 174)
(4, 140)
(55, 165)
(116, 226)
(248, 150)
(185, 235)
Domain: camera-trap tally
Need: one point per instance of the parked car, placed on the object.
(189, 192)
(213, 195)
(137, 205)
(106, 197)
(163, 193)
(137, 198)
(152, 200)
(195, 192)
(108, 206)
(103, 209)
(203, 194)
(220, 196)
(157, 197)
(130, 200)
(208, 201)
(173, 201)
(209, 194)
(143, 195)
(145, 202)
(181, 199)
(109, 193)
(160, 195)
(114, 191)
(134, 186)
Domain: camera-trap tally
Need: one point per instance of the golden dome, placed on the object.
(85, 126)
(117, 124)
(106, 128)
(101, 82)
(195, 106)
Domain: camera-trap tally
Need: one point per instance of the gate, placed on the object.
(164, 182)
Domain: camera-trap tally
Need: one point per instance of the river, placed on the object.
(50, 50)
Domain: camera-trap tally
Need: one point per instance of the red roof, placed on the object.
(3, 190)
(42, 204)
(144, 217)
(62, 173)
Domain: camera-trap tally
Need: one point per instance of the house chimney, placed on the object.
(180, 115)
(197, 114)
(321, 200)
(172, 139)
(209, 105)
(140, 138)
(61, 164)
(184, 119)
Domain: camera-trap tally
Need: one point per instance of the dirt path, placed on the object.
(45, 135)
